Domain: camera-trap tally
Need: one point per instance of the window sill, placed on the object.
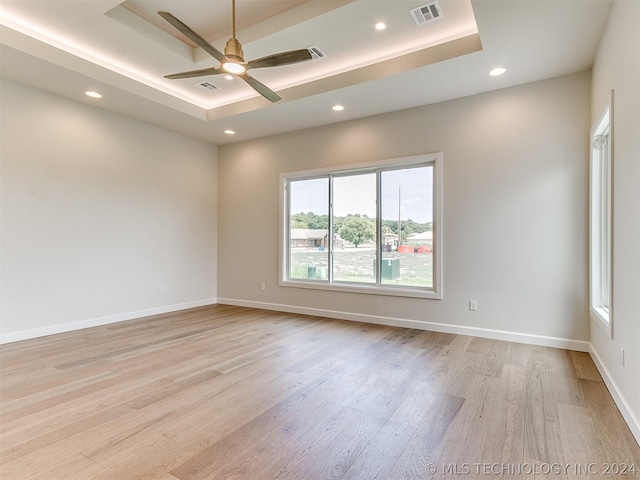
(365, 289)
(603, 318)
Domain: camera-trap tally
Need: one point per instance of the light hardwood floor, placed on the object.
(225, 392)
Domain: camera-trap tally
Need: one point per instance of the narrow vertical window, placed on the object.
(601, 221)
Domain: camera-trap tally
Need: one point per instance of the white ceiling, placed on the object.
(123, 49)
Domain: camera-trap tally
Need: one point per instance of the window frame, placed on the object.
(436, 292)
(601, 221)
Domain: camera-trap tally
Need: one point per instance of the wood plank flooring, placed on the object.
(225, 392)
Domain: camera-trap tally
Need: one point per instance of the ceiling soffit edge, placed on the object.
(421, 58)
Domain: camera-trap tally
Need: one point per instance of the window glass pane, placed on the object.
(407, 207)
(600, 222)
(354, 223)
(605, 229)
(308, 229)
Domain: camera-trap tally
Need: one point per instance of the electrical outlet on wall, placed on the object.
(161, 289)
(622, 356)
(473, 305)
(263, 286)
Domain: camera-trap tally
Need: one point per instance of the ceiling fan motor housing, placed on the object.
(233, 50)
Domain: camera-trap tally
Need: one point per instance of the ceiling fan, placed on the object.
(232, 61)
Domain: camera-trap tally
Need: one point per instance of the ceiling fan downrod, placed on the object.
(233, 49)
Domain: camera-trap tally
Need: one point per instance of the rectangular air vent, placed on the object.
(426, 13)
(207, 85)
(316, 53)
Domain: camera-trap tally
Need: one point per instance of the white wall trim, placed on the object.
(542, 340)
(96, 322)
(616, 394)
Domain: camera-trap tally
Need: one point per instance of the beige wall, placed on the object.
(98, 212)
(515, 209)
(617, 67)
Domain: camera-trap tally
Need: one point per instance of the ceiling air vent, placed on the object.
(316, 53)
(206, 85)
(426, 13)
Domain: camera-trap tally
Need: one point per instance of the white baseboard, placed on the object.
(96, 322)
(616, 394)
(544, 341)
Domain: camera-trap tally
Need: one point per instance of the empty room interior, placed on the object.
(305, 239)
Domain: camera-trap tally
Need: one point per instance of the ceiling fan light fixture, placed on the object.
(233, 50)
(234, 68)
(235, 57)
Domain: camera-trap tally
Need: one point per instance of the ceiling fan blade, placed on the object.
(195, 73)
(193, 36)
(262, 89)
(284, 58)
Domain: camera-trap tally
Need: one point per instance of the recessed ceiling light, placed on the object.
(228, 77)
(92, 94)
(337, 108)
(381, 26)
(497, 71)
(230, 132)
